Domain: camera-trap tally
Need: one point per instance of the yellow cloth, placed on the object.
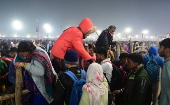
(103, 98)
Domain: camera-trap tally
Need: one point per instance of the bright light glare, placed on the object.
(98, 31)
(118, 34)
(152, 37)
(128, 30)
(28, 36)
(146, 36)
(47, 28)
(137, 36)
(17, 25)
(15, 35)
(145, 31)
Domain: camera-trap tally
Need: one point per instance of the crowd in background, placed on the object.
(69, 71)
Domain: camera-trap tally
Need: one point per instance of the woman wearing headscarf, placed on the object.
(38, 73)
(95, 90)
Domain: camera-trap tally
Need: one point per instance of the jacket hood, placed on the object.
(153, 51)
(87, 27)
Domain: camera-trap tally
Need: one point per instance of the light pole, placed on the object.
(48, 29)
(128, 30)
(144, 32)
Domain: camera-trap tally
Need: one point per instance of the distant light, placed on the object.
(129, 36)
(17, 25)
(28, 36)
(47, 28)
(145, 31)
(118, 34)
(128, 30)
(152, 37)
(137, 36)
(146, 36)
(15, 35)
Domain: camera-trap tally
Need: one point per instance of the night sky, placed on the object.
(153, 15)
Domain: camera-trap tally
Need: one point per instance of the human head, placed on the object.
(71, 58)
(91, 49)
(133, 60)
(94, 71)
(101, 54)
(86, 27)
(25, 48)
(113, 47)
(136, 42)
(5, 46)
(164, 48)
(13, 51)
(123, 58)
(86, 47)
(153, 50)
(112, 29)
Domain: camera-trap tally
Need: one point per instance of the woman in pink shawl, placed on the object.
(95, 90)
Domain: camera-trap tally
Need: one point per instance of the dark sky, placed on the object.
(153, 15)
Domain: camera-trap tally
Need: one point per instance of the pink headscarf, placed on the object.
(94, 85)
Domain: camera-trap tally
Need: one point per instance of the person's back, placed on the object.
(153, 64)
(64, 85)
(95, 91)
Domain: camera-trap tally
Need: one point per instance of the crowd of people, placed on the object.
(69, 71)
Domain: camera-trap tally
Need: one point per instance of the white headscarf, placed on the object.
(94, 85)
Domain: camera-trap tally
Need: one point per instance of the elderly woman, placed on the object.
(38, 73)
(95, 91)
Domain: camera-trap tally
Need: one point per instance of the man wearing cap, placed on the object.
(65, 83)
(106, 37)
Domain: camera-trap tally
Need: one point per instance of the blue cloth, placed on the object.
(71, 57)
(40, 100)
(153, 51)
(11, 76)
(165, 87)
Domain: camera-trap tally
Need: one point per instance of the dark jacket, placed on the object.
(105, 39)
(138, 88)
(63, 87)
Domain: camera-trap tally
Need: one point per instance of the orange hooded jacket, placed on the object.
(72, 38)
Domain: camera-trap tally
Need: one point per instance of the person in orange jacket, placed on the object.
(72, 38)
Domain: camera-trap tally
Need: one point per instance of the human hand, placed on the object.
(7, 59)
(117, 92)
(19, 65)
